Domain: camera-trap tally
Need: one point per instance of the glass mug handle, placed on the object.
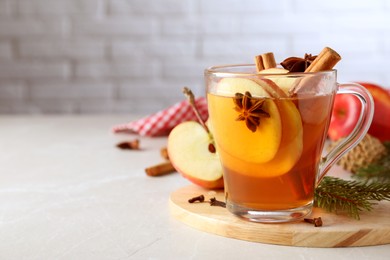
(360, 130)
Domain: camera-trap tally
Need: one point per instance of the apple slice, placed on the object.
(274, 71)
(188, 151)
(230, 86)
(282, 138)
(284, 82)
(271, 87)
(260, 146)
(286, 157)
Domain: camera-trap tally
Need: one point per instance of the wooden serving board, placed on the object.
(337, 231)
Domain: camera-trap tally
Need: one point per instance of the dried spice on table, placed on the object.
(213, 201)
(199, 198)
(129, 145)
(163, 168)
(316, 221)
(160, 169)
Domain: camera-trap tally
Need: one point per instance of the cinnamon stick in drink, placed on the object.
(326, 60)
(259, 63)
(265, 61)
(268, 60)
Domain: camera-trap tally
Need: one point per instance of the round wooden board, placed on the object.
(338, 231)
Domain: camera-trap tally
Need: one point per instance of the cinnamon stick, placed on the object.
(160, 169)
(129, 145)
(268, 60)
(164, 153)
(265, 61)
(326, 60)
(259, 63)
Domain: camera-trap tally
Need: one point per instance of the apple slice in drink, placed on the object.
(284, 82)
(188, 152)
(288, 154)
(274, 71)
(268, 134)
(280, 137)
(230, 86)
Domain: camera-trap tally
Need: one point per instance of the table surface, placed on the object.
(66, 192)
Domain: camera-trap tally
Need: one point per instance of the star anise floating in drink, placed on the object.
(250, 109)
(296, 64)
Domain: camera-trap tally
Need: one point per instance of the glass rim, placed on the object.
(221, 70)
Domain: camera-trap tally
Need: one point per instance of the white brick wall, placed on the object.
(123, 56)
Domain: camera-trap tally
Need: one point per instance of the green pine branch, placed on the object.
(370, 185)
(338, 195)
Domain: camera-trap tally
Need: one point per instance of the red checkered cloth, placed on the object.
(162, 122)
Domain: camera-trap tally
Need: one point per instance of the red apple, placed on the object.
(346, 111)
(345, 114)
(380, 126)
(188, 152)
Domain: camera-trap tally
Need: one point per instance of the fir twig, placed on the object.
(352, 197)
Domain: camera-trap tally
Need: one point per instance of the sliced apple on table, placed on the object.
(188, 151)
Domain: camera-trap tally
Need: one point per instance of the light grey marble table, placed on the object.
(66, 192)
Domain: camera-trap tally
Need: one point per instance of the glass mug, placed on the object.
(270, 131)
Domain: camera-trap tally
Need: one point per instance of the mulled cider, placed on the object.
(269, 125)
(270, 154)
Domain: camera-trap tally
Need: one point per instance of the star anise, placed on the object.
(250, 110)
(296, 64)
